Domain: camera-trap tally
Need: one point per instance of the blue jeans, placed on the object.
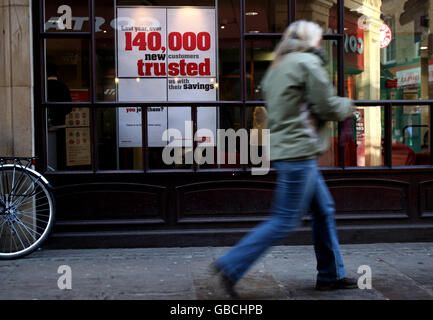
(300, 186)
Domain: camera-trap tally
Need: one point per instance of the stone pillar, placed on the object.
(319, 12)
(315, 10)
(16, 82)
(368, 82)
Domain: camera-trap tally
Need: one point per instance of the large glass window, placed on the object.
(68, 127)
(410, 136)
(177, 38)
(69, 138)
(387, 50)
(387, 57)
(227, 35)
(266, 16)
(195, 71)
(364, 146)
(260, 53)
(324, 13)
(67, 70)
(56, 12)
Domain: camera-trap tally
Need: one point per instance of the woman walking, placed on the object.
(300, 100)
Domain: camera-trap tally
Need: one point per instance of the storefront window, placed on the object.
(225, 156)
(324, 13)
(410, 136)
(139, 47)
(165, 56)
(111, 70)
(256, 125)
(69, 138)
(109, 159)
(405, 50)
(266, 16)
(57, 10)
(330, 157)
(105, 50)
(259, 55)
(121, 148)
(387, 57)
(364, 146)
(68, 128)
(387, 50)
(228, 51)
(67, 70)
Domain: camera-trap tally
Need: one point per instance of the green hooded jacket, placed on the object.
(300, 100)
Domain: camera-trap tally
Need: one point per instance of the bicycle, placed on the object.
(27, 207)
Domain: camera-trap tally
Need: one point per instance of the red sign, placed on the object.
(391, 83)
(79, 95)
(385, 36)
(360, 137)
(353, 41)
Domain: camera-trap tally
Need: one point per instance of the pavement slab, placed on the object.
(400, 271)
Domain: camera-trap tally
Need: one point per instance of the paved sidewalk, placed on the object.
(399, 271)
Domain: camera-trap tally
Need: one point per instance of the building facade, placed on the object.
(91, 86)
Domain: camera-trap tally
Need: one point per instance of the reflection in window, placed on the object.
(67, 80)
(410, 136)
(56, 12)
(407, 59)
(256, 123)
(67, 70)
(113, 153)
(364, 146)
(259, 54)
(324, 13)
(266, 16)
(227, 118)
(330, 157)
(388, 54)
(228, 50)
(397, 67)
(116, 153)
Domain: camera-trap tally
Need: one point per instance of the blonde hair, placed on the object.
(309, 33)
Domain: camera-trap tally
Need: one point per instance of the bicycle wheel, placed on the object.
(27, 211)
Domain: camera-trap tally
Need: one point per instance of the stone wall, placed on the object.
(16, 79)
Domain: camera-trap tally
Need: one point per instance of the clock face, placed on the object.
(385, 36)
